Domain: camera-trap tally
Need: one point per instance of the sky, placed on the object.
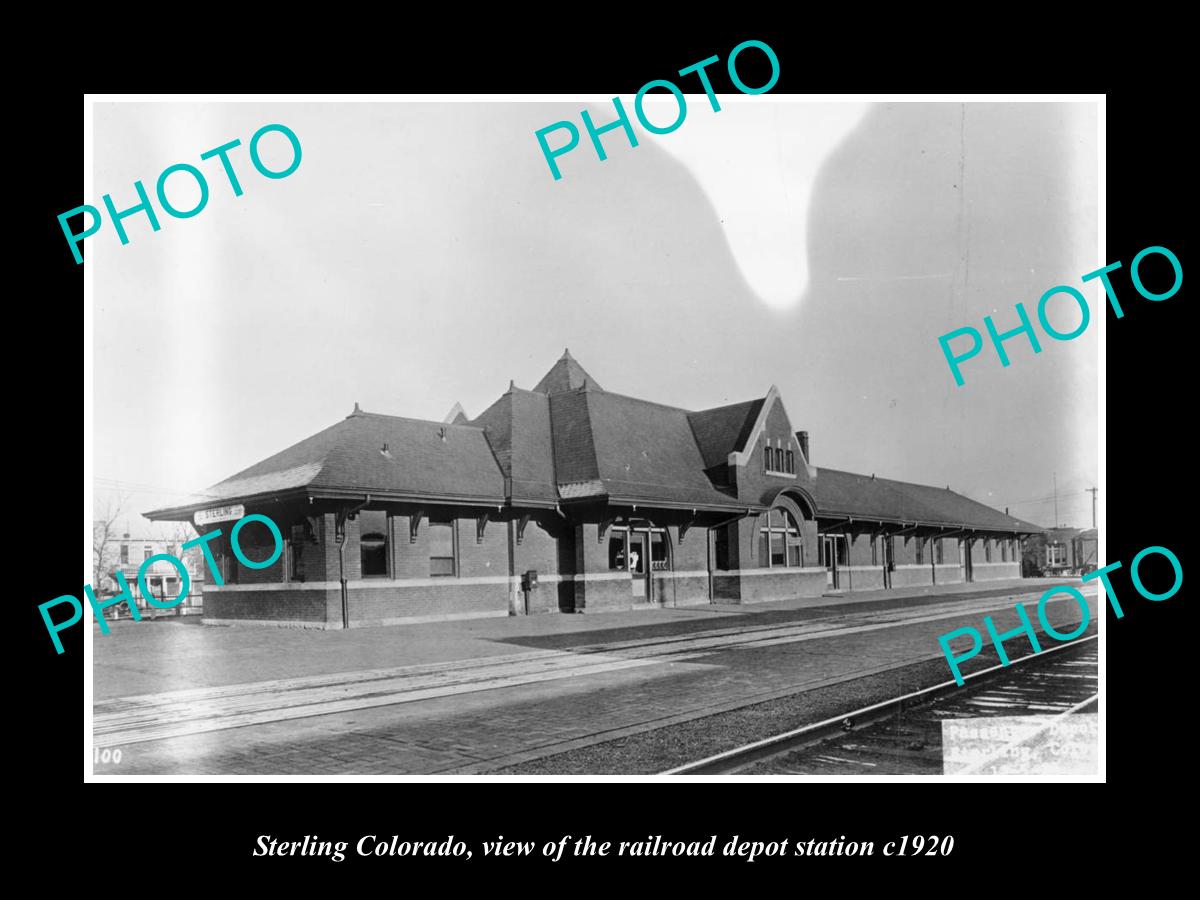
(422, 255)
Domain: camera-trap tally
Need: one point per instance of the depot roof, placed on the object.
(566, 441)
(850, 495)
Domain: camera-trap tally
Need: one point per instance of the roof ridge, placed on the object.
(727, 406)
(414, 419)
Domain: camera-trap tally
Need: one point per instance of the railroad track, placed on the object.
(903, 735)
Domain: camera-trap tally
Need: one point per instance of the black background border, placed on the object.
(207, 834)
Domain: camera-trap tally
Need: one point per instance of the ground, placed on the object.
(483, 695)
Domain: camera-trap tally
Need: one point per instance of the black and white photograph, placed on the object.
(509, 438)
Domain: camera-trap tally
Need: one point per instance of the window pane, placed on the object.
(794, 558)
(441, 539)
(763, 558)
(374, 520)
(372, 542)
(767, 457)
(790, 521)
(374, 555)
(776, 518)
(616, 550)
(778, 459)
(658, 551)
(441, 548)
(778, 553)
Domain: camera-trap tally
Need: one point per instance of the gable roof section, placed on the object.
(852, 495)
(647, 451)
(518, 429)
(423, 459)
(574, 452)
(721, 431)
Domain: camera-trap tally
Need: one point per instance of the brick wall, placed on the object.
(752, 478)
(985, 571)
(310, 606)
(383, 602)
(780, 584)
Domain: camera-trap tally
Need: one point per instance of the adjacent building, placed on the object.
(162, 579)
(570, 498)
(1069, 551)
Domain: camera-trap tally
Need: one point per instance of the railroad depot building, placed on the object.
(569, 498)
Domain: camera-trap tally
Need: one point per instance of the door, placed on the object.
(964, 560)
(829, 551)
(639, 565)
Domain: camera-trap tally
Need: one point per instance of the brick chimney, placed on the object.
(802, 437)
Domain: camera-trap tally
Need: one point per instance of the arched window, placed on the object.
(779, 459)
(791, 463)
(767, 457)
(780, 544)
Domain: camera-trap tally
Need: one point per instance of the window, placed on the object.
(920, 550)
(373, 543)
(987, 551)
(441, 547)
(147, 552)
(1004, 551)
(658, 552)
(616, 549)
(779, 541)
(295, 560)
(125, 554)
(775, 459)
(939, 551)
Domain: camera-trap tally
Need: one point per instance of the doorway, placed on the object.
(964, 560)
(639, 568)
(833, 553)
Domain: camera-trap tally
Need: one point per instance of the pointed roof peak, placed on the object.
(456, 416)
(566, 375)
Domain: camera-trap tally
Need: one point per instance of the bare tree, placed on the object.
(105, 540)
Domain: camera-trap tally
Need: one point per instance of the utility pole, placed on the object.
(1093, 492)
